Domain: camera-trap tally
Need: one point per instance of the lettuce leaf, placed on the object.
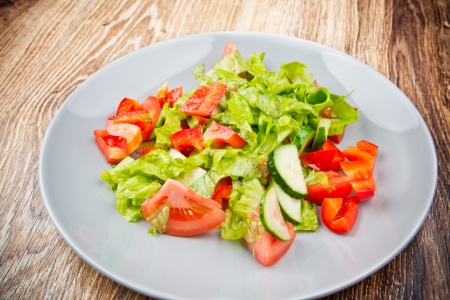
(309, 222)
(243, 202)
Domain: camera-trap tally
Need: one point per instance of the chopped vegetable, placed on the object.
(248, 151)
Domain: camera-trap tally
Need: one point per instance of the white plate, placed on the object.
(206, 267)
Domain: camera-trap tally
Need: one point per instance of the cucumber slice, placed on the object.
(271, 217)
(285, 168)
(290, 208)
(304, 138)
(321, 134)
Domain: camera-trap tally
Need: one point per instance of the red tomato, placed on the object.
(189, 214)
(188, 139)
(204, 100)
(126, 136)
(112, 153)
(269, 249)
(229, 48)
(174, 95)
(339, 215)
(338, 187)
(127, 105)
(127, 128)
(151, 104)
(222, 136)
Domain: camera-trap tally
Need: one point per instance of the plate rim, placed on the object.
(157, 293)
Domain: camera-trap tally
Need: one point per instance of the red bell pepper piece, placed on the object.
(360, 168)
(338, 214)
(174, 95)
(226, 181)
(132, 117)
(338, 157)
(127, 105)
(146, 150)
(187, 140)
(161, 93)
(319, 160)
(222, 191)
(222, 135)
(338, 187)
(105, 142)
(364, 189)
(222, 196)
(368, 147)
(337, 138)
(204, 100)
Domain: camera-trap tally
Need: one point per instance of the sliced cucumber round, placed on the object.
(290, 208)
(285, 168)
(271, 216)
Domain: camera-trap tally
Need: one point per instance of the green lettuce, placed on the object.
(243, 203)
(309, 222)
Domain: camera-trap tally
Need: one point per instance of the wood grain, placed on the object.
(48, 48)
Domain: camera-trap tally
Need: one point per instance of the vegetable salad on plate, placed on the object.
(249, 151)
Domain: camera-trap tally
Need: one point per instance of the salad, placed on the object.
(249, 152)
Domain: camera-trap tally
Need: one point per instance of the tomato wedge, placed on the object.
(188, 139)
(151, 104)
(338, 187)
(126, 136)
(269, 249)
(105, 142)
(127, 105)
(229, 48)
(222, 135)
(204, 100)
(189, 213)
(338, 214)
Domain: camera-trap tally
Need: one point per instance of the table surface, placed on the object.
(48, 48)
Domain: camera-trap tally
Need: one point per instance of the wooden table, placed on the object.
(48, 48)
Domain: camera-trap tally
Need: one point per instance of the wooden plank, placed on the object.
(48, 48)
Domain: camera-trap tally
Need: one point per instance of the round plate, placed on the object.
(207, 267)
